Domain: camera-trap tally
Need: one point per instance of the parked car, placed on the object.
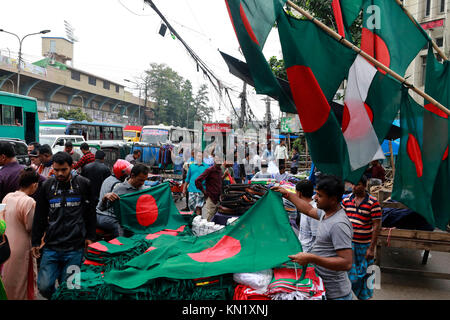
(21, 149)
(57, 142)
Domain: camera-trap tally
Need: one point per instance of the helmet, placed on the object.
(121, 168)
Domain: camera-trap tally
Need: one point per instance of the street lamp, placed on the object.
(139, 103)
(20, 51)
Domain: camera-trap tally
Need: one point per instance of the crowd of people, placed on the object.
(55, 207)
(52, 211)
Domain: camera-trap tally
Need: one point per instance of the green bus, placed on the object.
(18, 117)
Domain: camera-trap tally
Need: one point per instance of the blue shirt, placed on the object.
(195, 170)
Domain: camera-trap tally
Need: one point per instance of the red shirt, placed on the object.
(213, 182)
(88, 157)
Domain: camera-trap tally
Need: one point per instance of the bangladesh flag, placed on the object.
(149, 210)
(390, 36)
(252, 21)
(437, 85)
(260, 239)
(382, 105)
(387, 33)
(316, 65)
(419, 159)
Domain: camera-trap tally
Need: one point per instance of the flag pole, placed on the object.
(435, 46)
(368, 57)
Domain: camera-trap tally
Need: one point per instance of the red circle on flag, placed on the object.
(226, 248)
(375, 46)
(98, 246)
(146, 210)
(415, 154)
(346, 116)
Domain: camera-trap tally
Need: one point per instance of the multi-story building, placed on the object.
(433, 17)
(56, 86)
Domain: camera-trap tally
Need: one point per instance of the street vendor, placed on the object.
(196, 197)
(213, 186)
(332, 249)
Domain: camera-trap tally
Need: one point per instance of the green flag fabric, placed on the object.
(437, 85)
(390, 36)
(149, 210)
(260, 239)
(252, 21)
(316, 65)
(387, 33)
(419, 159)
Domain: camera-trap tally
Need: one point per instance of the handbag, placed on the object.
(5, 250)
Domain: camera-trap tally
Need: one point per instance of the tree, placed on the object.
(203, 112)
(74, 114)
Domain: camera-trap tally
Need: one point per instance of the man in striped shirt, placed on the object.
(364, 212)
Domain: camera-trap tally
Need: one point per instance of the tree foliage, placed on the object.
(74, 114)
(174, 100)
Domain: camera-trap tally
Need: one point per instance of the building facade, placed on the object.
(432, 15)
(57, 86)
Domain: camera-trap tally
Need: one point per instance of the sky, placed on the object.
(118, 39)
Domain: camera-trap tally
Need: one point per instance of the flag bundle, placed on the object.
(291, 284)
(173, 263)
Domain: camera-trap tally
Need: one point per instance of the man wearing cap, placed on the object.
(263, 174)
(96, 172)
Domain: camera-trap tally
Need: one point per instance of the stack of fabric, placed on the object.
(116, 252)
(296, 284)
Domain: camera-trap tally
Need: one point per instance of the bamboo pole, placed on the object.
(368, 57)
(392, 159)
(435, 46)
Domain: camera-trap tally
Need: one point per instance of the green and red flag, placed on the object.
(316, 65)
(382, 105)
(260, 239)
(387, 33)
(420, 156)
(437, 85)
(149, 210)
(252, 21)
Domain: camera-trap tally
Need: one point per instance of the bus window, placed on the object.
(74, 129)
(91, 133)
(18, 116)
(8, 115)
(118, 133)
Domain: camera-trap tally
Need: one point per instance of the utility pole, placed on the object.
(243, 97)
(268, 115)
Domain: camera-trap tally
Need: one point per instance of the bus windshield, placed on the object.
(129, 134)
(52, 130)
(154, 136)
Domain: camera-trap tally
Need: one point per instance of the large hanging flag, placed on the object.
(387, 33)
(437, 85)
(419, 159)
(382, 105)
(149, 210)
(362, 142)
(316, 65)
(260, 239)
(252, 21)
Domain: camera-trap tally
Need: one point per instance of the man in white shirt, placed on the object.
(308, 225)
(281, 153)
